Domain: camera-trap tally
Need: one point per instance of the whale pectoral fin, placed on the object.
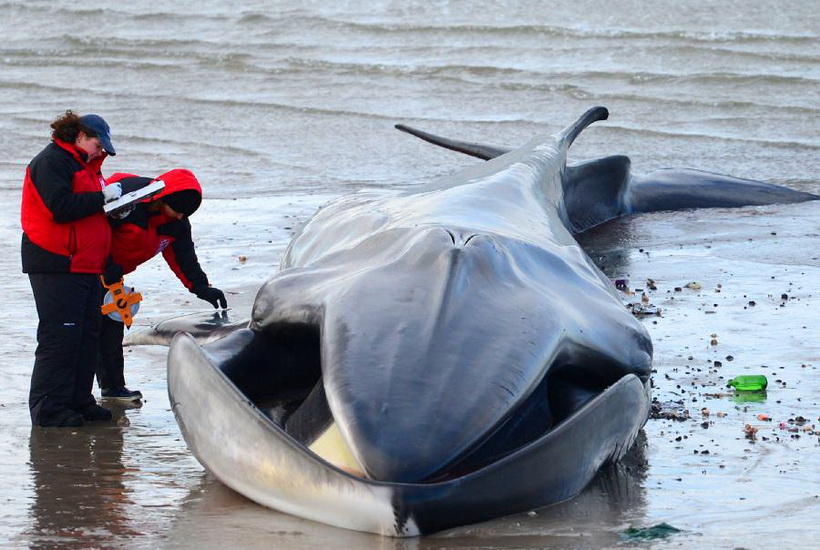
(204, 327)
(594, 191)
(479, 150)
(682, 189)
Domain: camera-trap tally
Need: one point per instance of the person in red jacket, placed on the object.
(66, 241)
(158, 225)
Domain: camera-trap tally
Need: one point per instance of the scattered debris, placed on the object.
(641, 310)
(660, 531)
(671, 410)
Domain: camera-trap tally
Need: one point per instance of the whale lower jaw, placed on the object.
(247, 451)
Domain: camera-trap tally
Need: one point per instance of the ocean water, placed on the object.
(280, 106)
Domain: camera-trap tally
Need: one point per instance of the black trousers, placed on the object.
(68, 332)
(111, 367)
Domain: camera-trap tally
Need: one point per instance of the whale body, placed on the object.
(441, 355)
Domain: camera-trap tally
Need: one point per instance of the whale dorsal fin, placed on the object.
(485, 152)
(594, 191)
(568, 134)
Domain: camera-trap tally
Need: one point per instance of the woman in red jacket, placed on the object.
(158, 225)
(66, 240)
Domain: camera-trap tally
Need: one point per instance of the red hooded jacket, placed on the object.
(144, 233)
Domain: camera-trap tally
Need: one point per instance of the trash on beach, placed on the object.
(748, 382)
(644, 310)
(622, 284)
(669, 410)
(660, 531)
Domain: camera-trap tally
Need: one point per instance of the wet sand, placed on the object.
(135, 484)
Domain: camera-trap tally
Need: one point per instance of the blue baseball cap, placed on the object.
(96, 124)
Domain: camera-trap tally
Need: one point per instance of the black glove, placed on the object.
(211, 294)
(113, 273)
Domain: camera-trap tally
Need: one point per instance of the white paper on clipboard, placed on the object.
(126, 200)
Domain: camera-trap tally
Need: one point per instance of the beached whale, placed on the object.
(439, 355)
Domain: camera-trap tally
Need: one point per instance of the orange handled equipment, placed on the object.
(121, 303)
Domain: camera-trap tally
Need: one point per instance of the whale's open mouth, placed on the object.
(254, 415)
(279, 372)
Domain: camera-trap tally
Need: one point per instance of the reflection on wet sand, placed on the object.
(80, 498)
(616, 497)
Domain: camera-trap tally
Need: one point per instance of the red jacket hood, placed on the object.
(175, 180)
(178, 179)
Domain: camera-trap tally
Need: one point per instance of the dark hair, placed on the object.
(68, 126)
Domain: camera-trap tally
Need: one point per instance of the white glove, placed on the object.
(112, 192)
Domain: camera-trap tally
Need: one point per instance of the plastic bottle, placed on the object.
(749, 382)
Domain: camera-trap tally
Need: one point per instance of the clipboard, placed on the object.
(126, 200)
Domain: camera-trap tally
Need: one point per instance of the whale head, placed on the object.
(444, 349)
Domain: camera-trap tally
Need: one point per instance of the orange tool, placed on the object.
(121, 303)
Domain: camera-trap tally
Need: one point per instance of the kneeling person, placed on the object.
(159, 225)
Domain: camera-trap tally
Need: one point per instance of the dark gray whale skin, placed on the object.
(472, 357)
(604, 189)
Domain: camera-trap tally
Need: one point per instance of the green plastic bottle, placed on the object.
(748, 382)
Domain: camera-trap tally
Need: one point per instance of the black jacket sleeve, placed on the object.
(181, 255)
